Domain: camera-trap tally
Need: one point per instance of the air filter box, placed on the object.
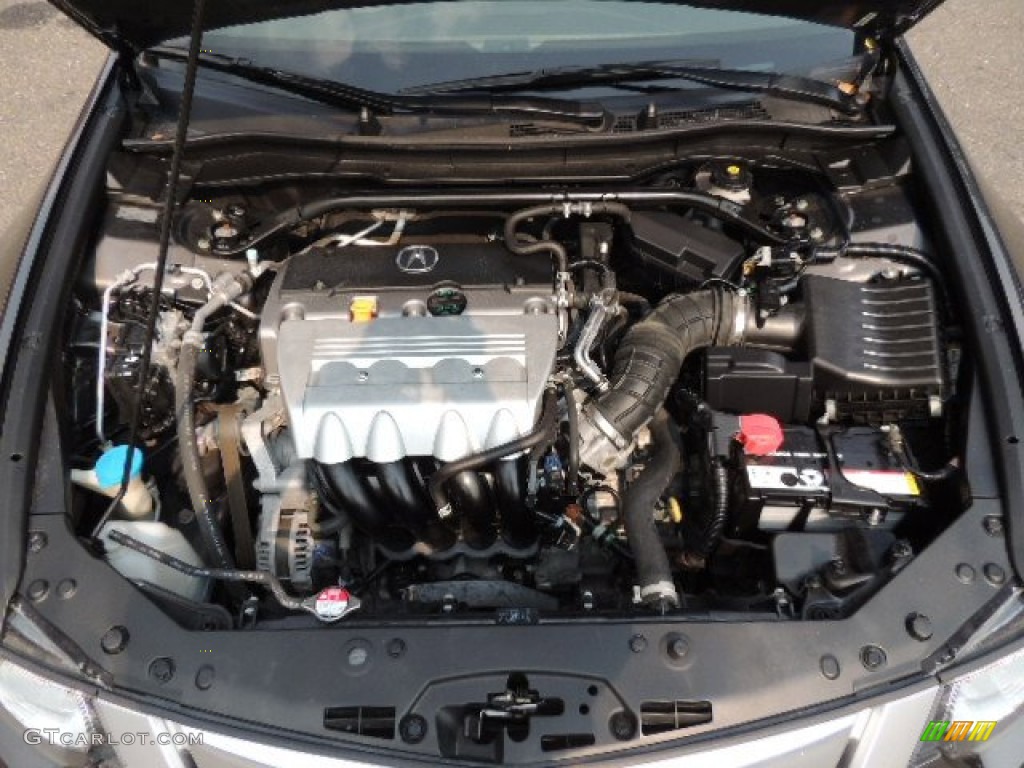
(875, 348)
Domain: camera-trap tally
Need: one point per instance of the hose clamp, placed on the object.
(662, 590)
(605, 428)
(194, 338)
(740, 318)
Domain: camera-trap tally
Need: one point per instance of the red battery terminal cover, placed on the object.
(760, 434)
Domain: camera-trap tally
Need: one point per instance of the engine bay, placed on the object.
(734, 389)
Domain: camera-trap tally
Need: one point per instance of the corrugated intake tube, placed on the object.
(652, 352)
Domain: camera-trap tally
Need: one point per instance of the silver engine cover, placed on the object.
(455, 360)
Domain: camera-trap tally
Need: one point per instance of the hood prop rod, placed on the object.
(173, 177)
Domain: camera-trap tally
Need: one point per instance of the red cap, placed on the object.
(760, 434)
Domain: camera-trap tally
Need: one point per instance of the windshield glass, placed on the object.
(395, 46)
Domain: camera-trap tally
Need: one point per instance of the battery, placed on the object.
(820, 480)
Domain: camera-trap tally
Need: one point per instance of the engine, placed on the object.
(396, 352)
(590, 402)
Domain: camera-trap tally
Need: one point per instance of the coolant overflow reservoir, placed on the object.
(138, 567)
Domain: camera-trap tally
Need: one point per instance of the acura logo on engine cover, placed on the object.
(417, 259)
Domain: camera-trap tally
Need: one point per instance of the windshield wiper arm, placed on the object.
(793, 87)
(339, 94)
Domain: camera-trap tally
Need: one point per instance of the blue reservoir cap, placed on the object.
(110, 466)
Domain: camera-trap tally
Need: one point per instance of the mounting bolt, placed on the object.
(38, 590)
(919, 627)
(162, 669)
(994, 574)
(66, 588)
(622, 725)
(396, 648)
(638, 643)
(678, 648)
(901, 550)
(873, 657)
(114, 640)
(965, 573)
(412, 729)
(37, 542)
(993, 525)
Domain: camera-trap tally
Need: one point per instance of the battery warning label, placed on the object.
(807, 479)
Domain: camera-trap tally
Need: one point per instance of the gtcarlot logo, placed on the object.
(70, 739)
(958, 730)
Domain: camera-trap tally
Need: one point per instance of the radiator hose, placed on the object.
(652, 567)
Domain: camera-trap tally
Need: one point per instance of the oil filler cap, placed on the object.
(760, 434)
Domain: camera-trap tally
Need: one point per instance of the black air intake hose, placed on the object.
(653, 572)
(652, 352)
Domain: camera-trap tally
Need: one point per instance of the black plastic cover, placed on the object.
(684, 251)
(464, 264)
(747, 380)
